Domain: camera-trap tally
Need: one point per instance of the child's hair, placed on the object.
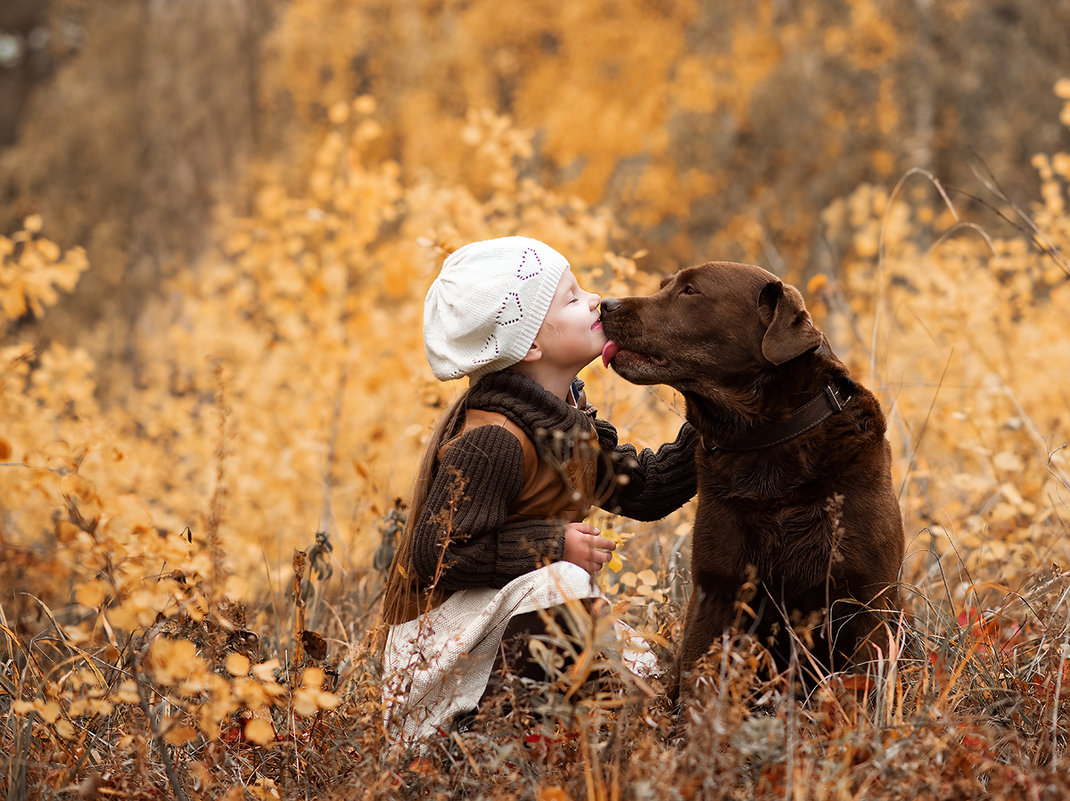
(402, 596)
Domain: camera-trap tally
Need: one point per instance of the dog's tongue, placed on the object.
(609, 351)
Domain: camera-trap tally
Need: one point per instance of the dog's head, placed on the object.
(716, 325)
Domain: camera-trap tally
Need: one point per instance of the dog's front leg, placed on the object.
(709, 614)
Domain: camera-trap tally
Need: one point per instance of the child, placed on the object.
(495, 531)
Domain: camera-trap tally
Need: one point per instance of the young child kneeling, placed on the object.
(495, 542)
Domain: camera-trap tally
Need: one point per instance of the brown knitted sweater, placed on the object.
(492, 541)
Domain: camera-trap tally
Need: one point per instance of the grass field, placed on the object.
(172, 626)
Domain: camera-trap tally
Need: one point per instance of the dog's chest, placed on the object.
(762, 479)
(771, 526)
(781, 539)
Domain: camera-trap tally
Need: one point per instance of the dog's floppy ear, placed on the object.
(789, 331)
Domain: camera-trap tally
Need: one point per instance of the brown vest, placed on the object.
(560, 476)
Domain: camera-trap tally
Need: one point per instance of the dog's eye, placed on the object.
(688, 290)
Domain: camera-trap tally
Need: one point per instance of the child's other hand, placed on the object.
(585, 548)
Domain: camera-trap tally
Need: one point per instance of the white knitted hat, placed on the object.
(483, 311)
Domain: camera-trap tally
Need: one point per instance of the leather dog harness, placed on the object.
(808, 416)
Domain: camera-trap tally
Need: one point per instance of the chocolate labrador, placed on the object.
(798, 536)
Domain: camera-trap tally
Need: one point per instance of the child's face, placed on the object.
(571, 334)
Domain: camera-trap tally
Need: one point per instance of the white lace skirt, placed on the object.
(438, 664)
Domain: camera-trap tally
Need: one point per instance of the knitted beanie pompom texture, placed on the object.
(486, 306)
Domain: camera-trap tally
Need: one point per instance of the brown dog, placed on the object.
(795, 494)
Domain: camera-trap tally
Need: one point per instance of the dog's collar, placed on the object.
(808, 416)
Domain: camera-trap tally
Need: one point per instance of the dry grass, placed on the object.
(975, 713)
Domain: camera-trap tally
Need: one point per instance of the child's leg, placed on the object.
(514, 657)
(514, 654)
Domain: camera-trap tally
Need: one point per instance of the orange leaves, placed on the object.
(873, 39)
(91, 593)
(207, 698)
(237, 664)
(962, 331)
(309, 697)
(32, 269)
(643, 584)
(173, 661)
(697, 87)
(259, 731)
(398, 279)
(497, 148)
(48, 710)
(177, 733)
(1062, 91)
(553, 793)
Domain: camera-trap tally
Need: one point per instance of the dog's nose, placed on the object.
(610, 305)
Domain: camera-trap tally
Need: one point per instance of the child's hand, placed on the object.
(585, 548)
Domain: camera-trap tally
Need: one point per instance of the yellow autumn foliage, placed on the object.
(33, 270)
(276, 387)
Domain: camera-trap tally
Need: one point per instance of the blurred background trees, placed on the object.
(123, 123)
(710, 129)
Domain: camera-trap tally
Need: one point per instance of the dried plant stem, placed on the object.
(16, 766)
(299, 606)
(219, 493)
(924, 427)
(157, 736)
(327, 511)
(1055, 715)
(592, 770)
